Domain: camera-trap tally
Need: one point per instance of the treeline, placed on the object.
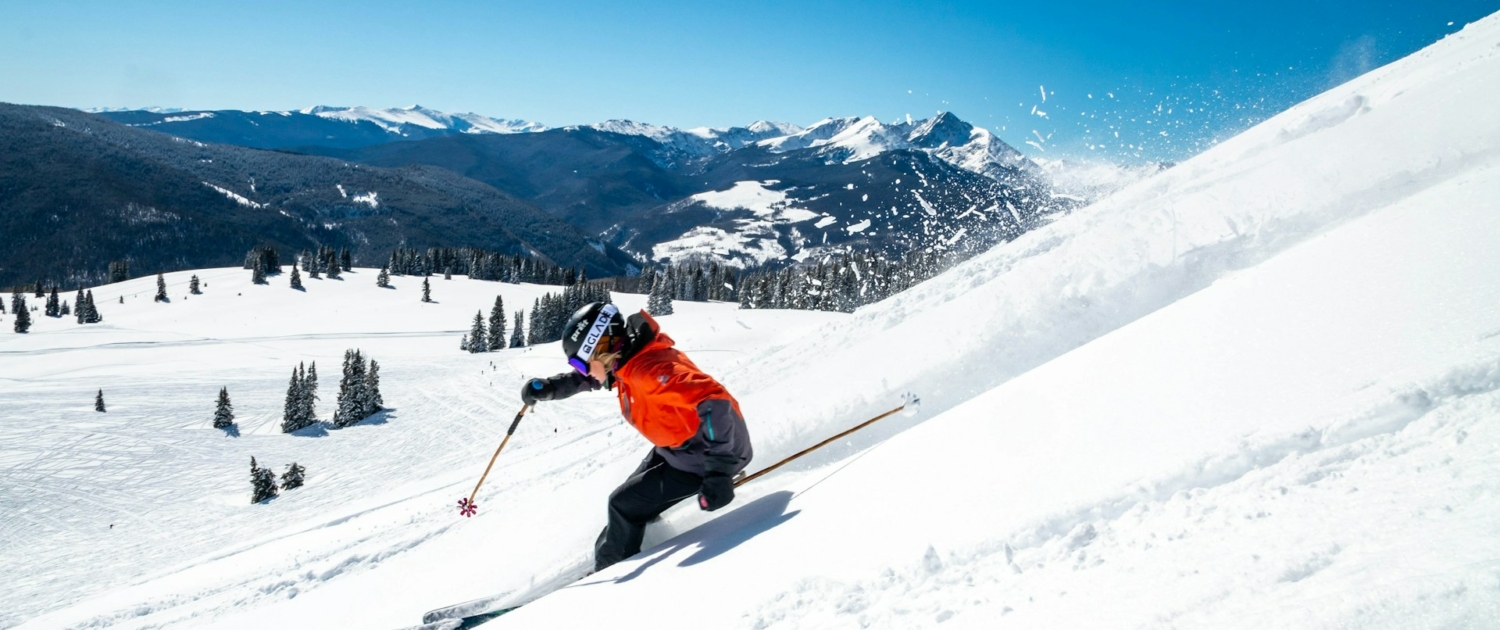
(840, 282)
(479, 264)
(548, 315)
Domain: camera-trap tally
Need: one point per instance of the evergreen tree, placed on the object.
(517, 340)
(262, 483)
(533, 337)
(78, 301)
(426, 291)
(331, 267)
(39, 291)
(315, 270)
(23, 318)
(309, 393)
(65, 310)
(161, 288)
(99, 401)
(54, 308)
(659, 301)
(291, 412)
(296, 279)
(224, 412)
(356, 401)
(463, 344)
(497, 326)
(305, 259)
(257, 275)
(384, 279)
(477, 334)
(193, 285)
(448, 273)
(372, 389)
(293, 476)
(93, 316)
(345, 259)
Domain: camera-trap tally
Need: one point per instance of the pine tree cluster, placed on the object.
(550, 312)
(301, 399)
(479, 264)
(84, 309)
(359, 390)
(262, 483)
(263, 258)
(692, 282)
(326, 260)
(119, 271)
(263, 480)
(840, 282)
(293, 476)
(223, 411)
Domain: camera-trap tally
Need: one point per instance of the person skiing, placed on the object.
(698, 435)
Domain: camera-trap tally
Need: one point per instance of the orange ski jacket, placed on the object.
(660, 390)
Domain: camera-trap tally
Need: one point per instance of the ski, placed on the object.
(469, 614)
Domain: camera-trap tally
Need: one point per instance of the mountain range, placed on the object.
(168, 189)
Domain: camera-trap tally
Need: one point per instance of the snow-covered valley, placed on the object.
(1259, 389)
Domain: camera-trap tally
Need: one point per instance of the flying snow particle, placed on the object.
(1044, 92)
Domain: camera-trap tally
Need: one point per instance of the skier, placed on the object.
(698, 435)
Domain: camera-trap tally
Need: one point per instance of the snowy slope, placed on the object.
(1287, 347)
(1257, 390)
(147, 507)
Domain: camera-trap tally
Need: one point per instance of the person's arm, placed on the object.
(721, 427)
(558, 387)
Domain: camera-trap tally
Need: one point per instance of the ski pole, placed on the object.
(467, 507)
(910, 401)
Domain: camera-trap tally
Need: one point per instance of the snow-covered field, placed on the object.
(1260, 389)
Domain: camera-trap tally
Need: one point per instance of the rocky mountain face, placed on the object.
(763, 194)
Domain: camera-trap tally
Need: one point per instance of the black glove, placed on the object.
(717, 491)
(536, 389)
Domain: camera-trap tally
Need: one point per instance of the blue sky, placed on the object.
(1196, 70)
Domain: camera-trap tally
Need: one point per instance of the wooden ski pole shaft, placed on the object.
(509, 432)
(744, 480)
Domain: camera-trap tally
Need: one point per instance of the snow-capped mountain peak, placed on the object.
(395, 119)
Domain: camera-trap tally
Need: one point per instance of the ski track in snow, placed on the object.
(1281, 508)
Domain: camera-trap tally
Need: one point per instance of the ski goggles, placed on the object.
(579, 364)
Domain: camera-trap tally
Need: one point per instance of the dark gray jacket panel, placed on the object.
(721, 446)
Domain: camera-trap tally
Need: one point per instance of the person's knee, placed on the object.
(624, 503)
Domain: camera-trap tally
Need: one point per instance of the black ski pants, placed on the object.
(650, 490)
